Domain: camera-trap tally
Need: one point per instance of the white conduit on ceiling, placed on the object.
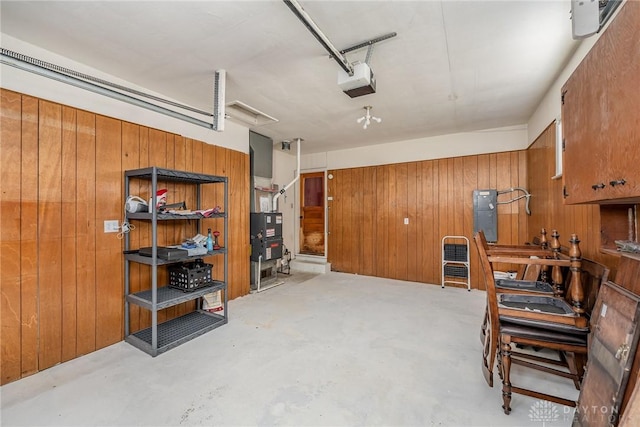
(83, 81)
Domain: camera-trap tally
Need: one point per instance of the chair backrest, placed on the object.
(489, 280)
(592, 276)
(541, 240)
(570, 316)
(574, 283)
(531, 273)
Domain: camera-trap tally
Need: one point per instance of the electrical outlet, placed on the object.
(111, 226)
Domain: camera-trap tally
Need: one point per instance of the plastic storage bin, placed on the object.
(190, 276)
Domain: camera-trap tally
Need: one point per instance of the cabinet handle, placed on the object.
(617, 182)
(598, 186)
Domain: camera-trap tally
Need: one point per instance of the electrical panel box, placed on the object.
(485, 213)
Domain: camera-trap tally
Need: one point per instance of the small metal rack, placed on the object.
(455, 261)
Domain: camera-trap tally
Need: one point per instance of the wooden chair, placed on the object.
(592, 276)
(527, 280)
(533, 320)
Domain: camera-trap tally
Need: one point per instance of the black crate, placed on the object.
(455, 252)
(190, 276)
(455, 271)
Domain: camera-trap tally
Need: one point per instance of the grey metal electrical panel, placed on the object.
(485, 213)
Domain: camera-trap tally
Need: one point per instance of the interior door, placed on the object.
(312, 213)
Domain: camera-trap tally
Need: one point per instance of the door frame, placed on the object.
(324, 210)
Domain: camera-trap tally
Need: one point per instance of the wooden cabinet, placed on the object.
(601, 117)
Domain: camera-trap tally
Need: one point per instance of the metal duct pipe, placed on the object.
(318, 34)
(275, 198)
(82, 84)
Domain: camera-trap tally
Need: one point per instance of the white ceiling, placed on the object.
(454, 66)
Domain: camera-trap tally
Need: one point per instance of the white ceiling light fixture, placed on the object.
(368, 117)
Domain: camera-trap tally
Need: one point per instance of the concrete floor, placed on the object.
(337, 349)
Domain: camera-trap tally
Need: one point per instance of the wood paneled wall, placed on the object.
(61, 176)
(366, 216)
(548, 208)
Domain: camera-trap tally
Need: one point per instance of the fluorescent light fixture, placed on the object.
(242, 113)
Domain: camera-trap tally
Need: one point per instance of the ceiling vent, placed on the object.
(240, 112)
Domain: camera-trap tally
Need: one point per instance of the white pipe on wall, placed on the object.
(282, 191)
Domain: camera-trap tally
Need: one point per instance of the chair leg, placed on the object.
(505, 353)
(575, 363)
(581, 362)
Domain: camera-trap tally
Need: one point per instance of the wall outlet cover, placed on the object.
(111, 226)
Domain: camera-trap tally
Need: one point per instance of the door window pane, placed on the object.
(313, 191)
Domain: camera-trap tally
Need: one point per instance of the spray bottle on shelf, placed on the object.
(209, 241)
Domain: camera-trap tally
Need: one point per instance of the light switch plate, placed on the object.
(406, 221)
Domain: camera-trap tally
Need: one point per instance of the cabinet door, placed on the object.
(601, 123)
(585, 152)
(621, 62)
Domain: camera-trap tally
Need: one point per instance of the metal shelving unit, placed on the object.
(455, 261)
(159, 338)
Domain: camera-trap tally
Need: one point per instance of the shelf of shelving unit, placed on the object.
(147, 260)
(455, 261)
(176, 331)
(167, 296)
(166, 216)
(160, 337)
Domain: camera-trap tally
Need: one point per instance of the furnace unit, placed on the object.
(266, 236)
(266, 247)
